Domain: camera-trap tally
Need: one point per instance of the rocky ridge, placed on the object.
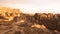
(12, 21)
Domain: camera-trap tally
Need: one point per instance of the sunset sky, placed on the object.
(33, 6)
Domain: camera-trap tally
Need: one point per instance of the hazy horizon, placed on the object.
(33, 6)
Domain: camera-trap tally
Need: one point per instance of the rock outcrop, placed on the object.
(12, 21)
(9, 13)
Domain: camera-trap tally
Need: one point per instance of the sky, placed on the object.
(33, 6)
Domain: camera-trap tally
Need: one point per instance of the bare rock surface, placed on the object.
(19, 23)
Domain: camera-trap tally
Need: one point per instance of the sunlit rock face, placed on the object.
(9, 13)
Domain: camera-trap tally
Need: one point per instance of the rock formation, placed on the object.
(12, 21)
